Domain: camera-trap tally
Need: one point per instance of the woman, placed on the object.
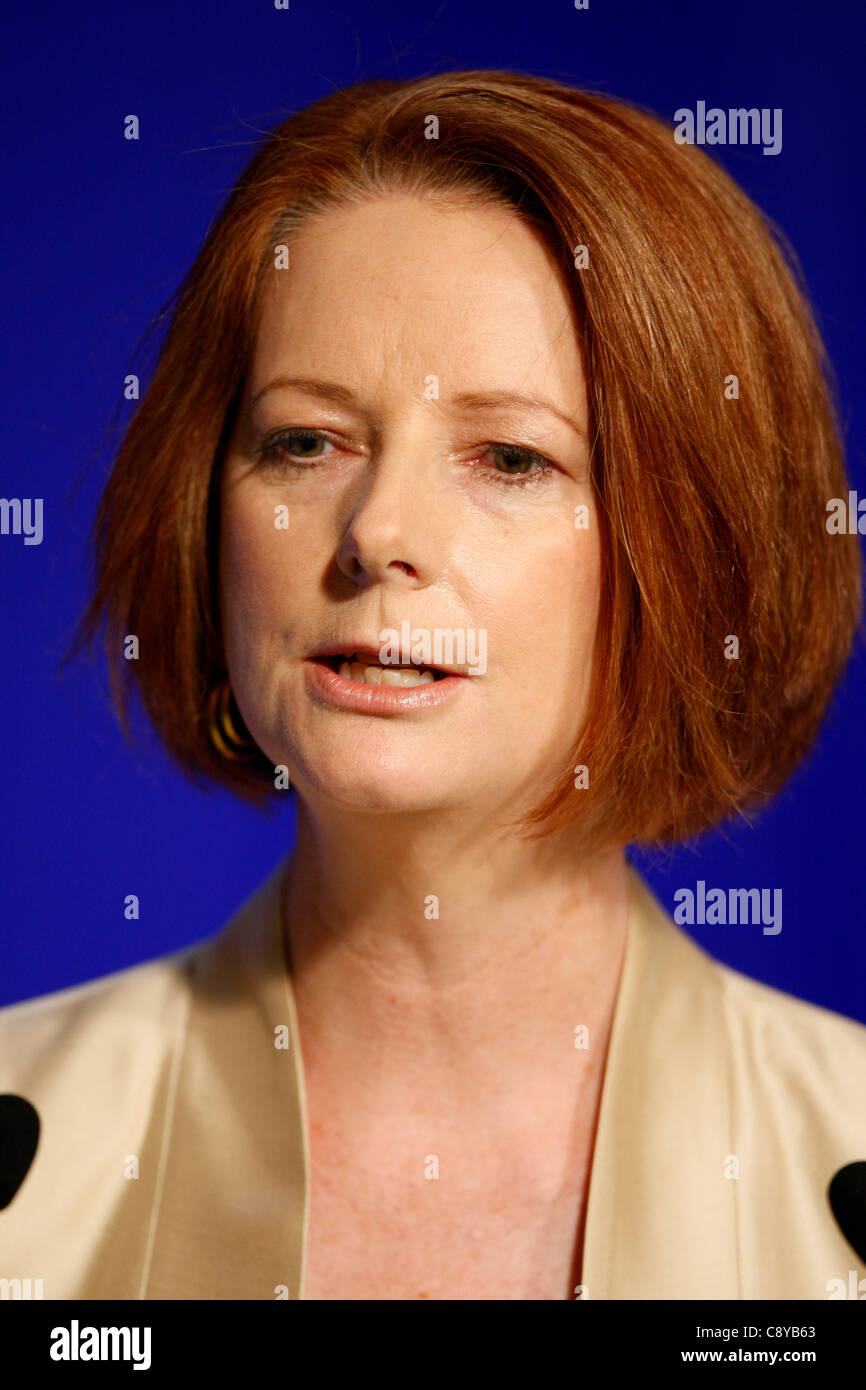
(479, 496)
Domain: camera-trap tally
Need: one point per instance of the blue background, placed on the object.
(97, 232)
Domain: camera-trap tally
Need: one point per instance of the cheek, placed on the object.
(550, 601)
(255, 560)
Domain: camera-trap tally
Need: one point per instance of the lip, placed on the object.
(363, 649)
(327, 686)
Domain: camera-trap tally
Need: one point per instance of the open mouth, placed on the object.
(366, 671)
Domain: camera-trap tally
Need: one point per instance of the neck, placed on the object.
(427, 955)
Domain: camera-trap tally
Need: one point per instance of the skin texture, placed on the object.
(450, 1036)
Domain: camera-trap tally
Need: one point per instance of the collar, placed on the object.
(661, 1220)
(232, 1194)
(232, 1203)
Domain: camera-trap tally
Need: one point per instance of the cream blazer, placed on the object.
(173, 1156)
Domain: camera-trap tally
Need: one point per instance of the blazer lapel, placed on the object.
(231, 1209)
(660, 1219)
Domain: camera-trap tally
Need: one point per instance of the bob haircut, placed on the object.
(711, 494)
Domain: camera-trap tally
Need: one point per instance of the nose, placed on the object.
(397, 530)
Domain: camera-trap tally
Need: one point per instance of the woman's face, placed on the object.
(394, 507)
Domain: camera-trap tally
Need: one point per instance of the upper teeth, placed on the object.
(363, 669)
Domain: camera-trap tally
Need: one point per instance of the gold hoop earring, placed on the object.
(222, 730)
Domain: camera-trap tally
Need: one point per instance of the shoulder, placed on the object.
(784, 1056)
(814, 1051)
(92, 1061)
(95, 1062)
(69, 1027)
(104, 1064)
(769, 1023)
(120, 1025)
(754, 1086)
(796, 1071)
(781, 1025)
(98, 1054)
(797, 1101)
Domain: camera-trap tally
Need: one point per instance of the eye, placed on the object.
(283, 446)
(523, 465)
(304, 448)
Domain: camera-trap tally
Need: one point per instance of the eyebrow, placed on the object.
(463, 400)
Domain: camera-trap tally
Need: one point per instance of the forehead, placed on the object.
(404, 285)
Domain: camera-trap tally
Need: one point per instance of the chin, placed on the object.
(357, 784)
